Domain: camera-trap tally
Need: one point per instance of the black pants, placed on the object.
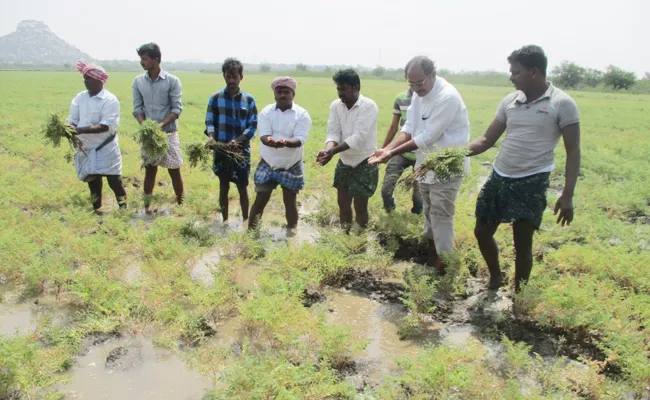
(115, 183)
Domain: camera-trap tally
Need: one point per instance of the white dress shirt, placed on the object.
(293, 123)
(439, 119)
(357, 127)
(104, 108)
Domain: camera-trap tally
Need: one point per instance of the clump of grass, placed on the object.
(153, 142)
(446, 164)
(197, 155)
(56, 129)
(201, 234)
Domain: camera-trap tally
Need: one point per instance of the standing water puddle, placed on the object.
(379, 323)
(243, 276)
(133, 368)
(24, 318)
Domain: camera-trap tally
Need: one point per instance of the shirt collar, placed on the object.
(275, 107)
(226, 92)
(356, 103)
(521, 97)
(162, 75)
(99, 95)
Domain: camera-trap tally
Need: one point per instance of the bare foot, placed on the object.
(440, 267)
(495, 283)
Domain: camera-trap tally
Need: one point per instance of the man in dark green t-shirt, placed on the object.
(399, 163)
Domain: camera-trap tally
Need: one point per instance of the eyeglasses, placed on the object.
(418, 83)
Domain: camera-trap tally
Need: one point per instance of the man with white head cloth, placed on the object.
(283, 129)
(95, 116)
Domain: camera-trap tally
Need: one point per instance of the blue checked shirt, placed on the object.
(228, 117)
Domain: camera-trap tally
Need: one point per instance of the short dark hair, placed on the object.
(347, 77)
(232, 65)
(530, 56)
(427, 65)
(150, 49)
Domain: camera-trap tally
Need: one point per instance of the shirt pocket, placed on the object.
(288, 129)
(242, 112)
(94, 117)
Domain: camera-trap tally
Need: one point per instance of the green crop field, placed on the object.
(321, 315)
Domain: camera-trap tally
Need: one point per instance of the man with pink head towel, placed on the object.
(95, 116)
(283, 128)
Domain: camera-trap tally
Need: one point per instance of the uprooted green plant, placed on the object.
(153, 142)
(446, 164)
(56, 129)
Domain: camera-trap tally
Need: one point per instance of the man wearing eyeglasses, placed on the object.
(436, 118)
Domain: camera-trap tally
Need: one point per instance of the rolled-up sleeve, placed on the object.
(264, 123)
(74, 111)
(138, 100)
(175, 94)
(442, 116)
(302, 127)
(210, 116)
(251, 121)
(410, 117)
(333, 126)
(362, 131)
(110, 115)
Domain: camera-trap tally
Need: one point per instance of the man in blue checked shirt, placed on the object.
(232, 119)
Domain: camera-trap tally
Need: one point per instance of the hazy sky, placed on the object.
(457, 34)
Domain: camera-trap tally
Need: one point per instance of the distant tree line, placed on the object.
(569, 75)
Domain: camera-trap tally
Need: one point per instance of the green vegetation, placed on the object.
(198, 155)
(590, 281)
(56, 129)
(446, 164)
(153, 142)
(569, 75)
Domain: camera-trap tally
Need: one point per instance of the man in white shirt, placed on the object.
(536, 116)
(283, 128)
(436, 118)
(95, 116)
(352, 133)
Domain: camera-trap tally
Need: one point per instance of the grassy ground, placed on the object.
(590, 283)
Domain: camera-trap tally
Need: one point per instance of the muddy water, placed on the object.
(273, 226)
(378, 322)
(274, 223)
(153, 373)
(24, 318)
(202, 270)
(133, 271)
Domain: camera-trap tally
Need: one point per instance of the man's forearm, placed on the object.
(330, 145)
(402, 138)
(406, 147)
(99, 128)
(140, 118)
(241, 139)
(293, 143)
(171, 117)
(389, 136)
(478, 146)
(572, 172)
(339, 148)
